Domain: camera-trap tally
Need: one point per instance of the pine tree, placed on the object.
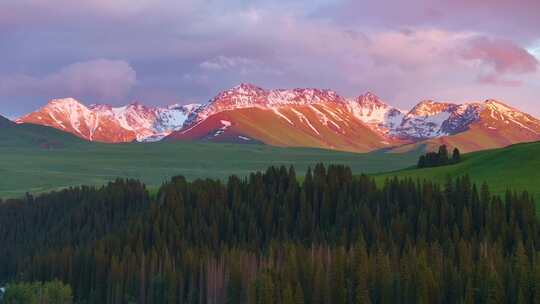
(456, 156)
(536, 280)
(298, 294)
(495, 292)
(443, 155)
(422, 161)
(288, 297)
(403, 241)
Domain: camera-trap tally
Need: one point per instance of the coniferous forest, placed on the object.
(267, 238)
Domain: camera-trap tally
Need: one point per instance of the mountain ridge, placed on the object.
(309, 117)
(105, 123)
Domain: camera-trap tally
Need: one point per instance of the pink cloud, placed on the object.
(503, 55)
(512, 18)
(99, 78)
(494, 79)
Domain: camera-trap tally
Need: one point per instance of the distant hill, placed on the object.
(14, 135)
(516, 167)
(4, 122)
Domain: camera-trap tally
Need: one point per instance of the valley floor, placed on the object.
(32, 169)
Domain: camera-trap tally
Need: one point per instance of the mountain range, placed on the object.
(317, 118)
(105, 123)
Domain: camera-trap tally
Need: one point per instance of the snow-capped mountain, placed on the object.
(370, 109)
(430, 119)
(425, 120)
(251, 96)
(316, 109)
(105, 123)
(297, 117)
(477, 126)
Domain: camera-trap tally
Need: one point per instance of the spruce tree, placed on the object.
(443, 155)
(456, 156)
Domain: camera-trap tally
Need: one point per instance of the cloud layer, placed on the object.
(184, 51)
(100, 79)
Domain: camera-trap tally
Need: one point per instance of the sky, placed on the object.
(160, 52)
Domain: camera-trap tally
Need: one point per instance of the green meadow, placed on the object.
(36, 159)
(516, 167)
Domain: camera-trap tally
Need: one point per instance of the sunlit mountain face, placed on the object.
(311, 117)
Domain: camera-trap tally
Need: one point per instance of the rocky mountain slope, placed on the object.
(309, 117)
(105, 123)
(256, 114)
(480, 126)
(293, 118)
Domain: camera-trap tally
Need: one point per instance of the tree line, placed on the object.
(267, 238)
(439, 158)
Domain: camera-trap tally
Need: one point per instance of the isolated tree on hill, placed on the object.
(443, 155)
(439, 158)
(422, 161)
(456, 156)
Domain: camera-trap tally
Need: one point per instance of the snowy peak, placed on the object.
(240, 95)
(430, 119)
(251, 96)
(64, 103)
(69, 106)
(496, 115)
(498, 106)
(248, 95)
(498, 110)
(371, 101)
(246, 89)
(430, 108)
(427, 119)
(317, 115)
(370, 109)
(102, 122)
(308, 96)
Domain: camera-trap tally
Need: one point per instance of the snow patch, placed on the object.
(277, 112)
(304, 119)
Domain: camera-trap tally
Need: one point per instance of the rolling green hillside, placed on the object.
(34, 136)
(516, 167)
(36, 159)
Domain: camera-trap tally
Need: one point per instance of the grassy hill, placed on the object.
(36, 159)
(515, 167)
(34, 136)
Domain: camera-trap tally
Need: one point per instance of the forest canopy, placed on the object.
(334, 238)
